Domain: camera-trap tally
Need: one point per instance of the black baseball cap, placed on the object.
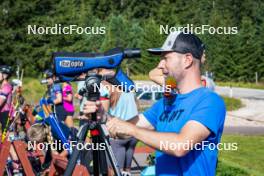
(6, 69)
(48, 73)
(181, 42)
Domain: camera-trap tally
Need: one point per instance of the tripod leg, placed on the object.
(138, 166)
(96, 157)
(109, 150)
(76, 152)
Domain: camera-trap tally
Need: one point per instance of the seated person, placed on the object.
(43, 133)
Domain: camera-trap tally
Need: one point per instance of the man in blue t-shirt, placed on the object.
(184, 128)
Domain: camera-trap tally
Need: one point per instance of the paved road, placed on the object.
(247, 130)
(241, 92)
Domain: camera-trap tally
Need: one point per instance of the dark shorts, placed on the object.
(60, 113)
(69, 113)
(3, 119)
(124, 150)
(82, 121)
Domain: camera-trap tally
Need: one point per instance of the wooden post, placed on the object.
(5, 148)
(20, 148)
(256, 76)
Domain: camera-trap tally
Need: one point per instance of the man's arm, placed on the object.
(2, 100)
(141, 121)
(58, 99)
(157, 76)
(5, 91)
(68, 97)
(193, 132)
(105, 105)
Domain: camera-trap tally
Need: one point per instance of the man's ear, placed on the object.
(188, 60)
(53, 78)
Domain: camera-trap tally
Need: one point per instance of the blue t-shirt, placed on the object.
(55, 88)
(201, 105)
(126, 107)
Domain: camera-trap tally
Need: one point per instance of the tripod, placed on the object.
(99, 135)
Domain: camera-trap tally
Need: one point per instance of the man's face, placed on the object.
(172, 64)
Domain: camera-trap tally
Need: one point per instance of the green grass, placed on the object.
(242, 84)
(33, 90)
(232, 103)
(226, 169)
(140, 77)
(76, 122)
(250, 154)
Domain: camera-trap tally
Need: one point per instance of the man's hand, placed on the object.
(79, 97)
(92, 107)
(119, 128)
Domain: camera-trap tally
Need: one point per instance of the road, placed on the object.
(241, 92)
(248, 119)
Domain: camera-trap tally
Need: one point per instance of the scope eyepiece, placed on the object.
(44, 81)
(132, 53)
